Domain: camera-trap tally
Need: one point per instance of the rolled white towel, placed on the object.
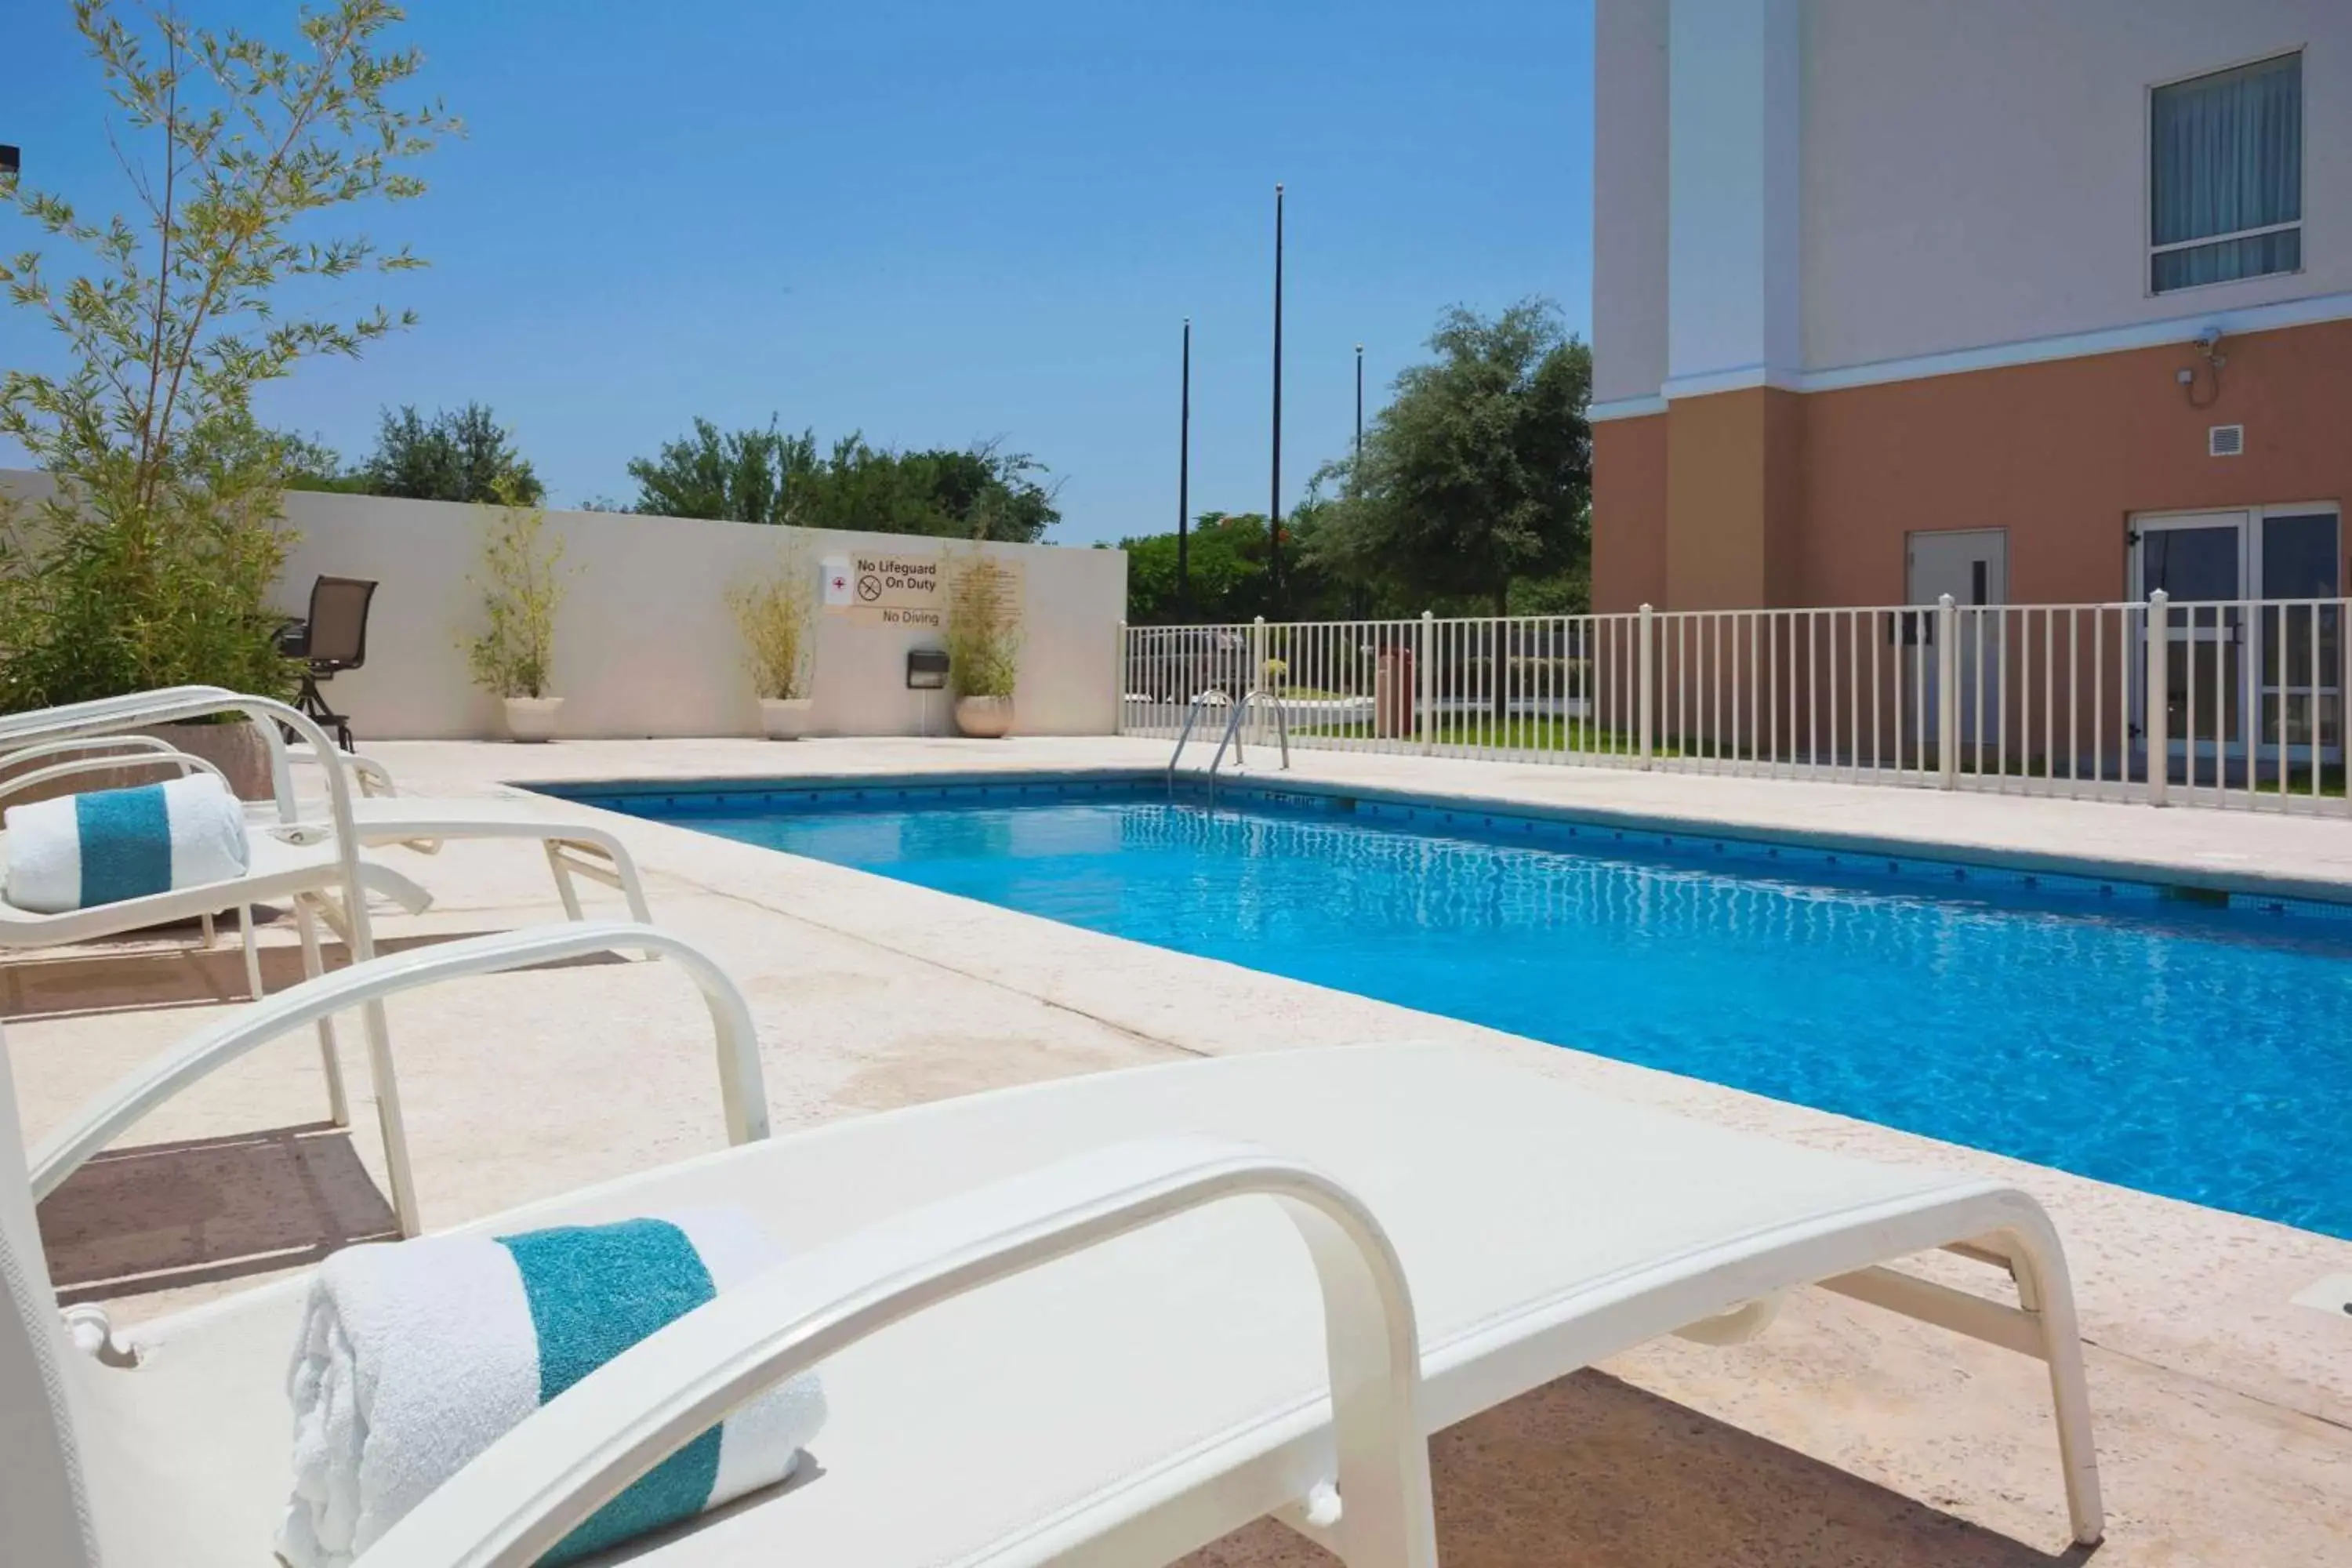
(415, 1357)
(75, 851)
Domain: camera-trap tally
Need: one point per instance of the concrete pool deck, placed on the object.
(2224, 1409)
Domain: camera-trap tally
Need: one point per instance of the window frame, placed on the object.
(2150, 250)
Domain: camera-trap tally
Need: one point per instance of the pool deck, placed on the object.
(1843, 1435)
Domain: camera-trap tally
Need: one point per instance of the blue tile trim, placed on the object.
(690, 802)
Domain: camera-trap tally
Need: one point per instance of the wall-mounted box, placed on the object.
(927, 668)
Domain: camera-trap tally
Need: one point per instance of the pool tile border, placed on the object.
(685, 799)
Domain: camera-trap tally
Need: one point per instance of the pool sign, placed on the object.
(887, 589)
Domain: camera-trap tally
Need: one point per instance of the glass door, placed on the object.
(2200, 560)
(2301, 717)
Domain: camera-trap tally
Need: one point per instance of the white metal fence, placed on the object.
(2239, 703)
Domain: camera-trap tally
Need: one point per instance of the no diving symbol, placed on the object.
(869, 587)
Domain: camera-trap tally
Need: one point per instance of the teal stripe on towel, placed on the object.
(595, 1290)
(126, 843)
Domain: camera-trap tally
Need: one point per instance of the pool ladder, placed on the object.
(1231, 737)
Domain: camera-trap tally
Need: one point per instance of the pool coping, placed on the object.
(2225, 1411)
(2165, 877)
(2201, 1258)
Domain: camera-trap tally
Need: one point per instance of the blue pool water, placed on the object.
(2204, 1053)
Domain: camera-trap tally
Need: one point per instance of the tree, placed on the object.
(979, 492)
(1478, 475)
(1231, 576)
(151, 563)
(738, 476)
(312, 465)
(767, 475)
(986, 493)
(464, 455)
(1227, 562)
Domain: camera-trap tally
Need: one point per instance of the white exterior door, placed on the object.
(1972, 566)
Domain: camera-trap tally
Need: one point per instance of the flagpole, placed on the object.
(1274, 502)
(1184, 482)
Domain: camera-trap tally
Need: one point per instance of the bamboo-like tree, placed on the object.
(151, 563)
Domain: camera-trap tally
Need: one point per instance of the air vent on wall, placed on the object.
(2225, 441)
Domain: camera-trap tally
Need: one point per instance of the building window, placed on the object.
(2225, 175)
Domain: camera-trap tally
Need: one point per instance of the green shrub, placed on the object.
(104, 590)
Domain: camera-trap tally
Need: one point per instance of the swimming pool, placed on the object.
(2098, 1026)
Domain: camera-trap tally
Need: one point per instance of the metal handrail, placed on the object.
(1232, 735)
(1192, 716)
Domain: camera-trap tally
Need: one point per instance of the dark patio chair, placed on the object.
(333, 638)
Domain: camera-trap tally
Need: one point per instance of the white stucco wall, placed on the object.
(645, 645)
(1977, 174)
(1733, 253)
(1967, 176)
(1629, 198)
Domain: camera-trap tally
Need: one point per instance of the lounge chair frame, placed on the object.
(332, 885)
(364, 810)
(527, 1490)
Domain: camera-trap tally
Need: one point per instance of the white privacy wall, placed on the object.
(645, 644)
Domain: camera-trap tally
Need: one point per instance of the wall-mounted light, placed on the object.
(2209, 344)
(927, 668)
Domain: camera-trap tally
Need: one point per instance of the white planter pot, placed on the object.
(532, 718)
(984, 718)
(786, 717)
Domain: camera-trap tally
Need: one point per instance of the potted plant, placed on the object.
(521, 586)
(778, 646)
(984, 643)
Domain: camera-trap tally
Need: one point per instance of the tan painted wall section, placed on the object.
(1773, 497)
(1629, 513)
(1734, 495)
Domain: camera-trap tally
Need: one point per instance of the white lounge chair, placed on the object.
(325, 876)
(576, 846)
(281, 869)
(1054, 1326)
(303, 851)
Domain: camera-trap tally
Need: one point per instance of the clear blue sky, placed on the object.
(932, 222)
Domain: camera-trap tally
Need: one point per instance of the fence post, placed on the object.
(1646, 658)
(1425, 678)
(1120, 713)
(1947, 692)
(2156, 722)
